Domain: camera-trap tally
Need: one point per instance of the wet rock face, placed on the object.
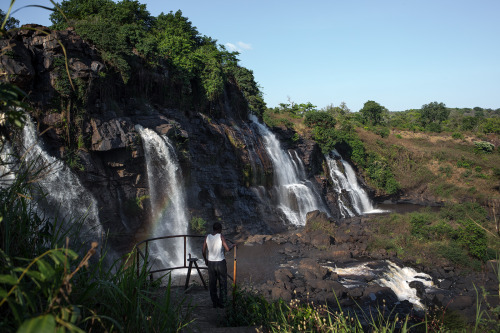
(227, 173)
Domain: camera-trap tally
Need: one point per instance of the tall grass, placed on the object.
(251, 309)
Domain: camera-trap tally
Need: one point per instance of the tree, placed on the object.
(10, 23)
(337, 111)
(433, 112)
(373, 112)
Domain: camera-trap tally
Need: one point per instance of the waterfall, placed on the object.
(295, 196)
(7, 174)
(62, 189)
(352, 198)
(386, 274)
(168, 207)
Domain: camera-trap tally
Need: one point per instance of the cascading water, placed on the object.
(7, 174)
(386, 274)
(167, 197)
(352, 198)
(62, 189)
(294, 197)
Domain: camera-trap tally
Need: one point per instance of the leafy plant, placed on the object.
(483, 147)
(198, 224)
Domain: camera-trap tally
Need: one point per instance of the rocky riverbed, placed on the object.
(305, 264)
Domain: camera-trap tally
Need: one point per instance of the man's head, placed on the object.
(217, 227)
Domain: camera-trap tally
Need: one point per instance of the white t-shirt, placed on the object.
(215, 248)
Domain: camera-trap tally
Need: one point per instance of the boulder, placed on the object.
(112, 134)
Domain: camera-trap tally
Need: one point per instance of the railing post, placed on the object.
(234, 279)
(185, 241)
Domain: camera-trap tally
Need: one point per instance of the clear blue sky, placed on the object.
(401, 54)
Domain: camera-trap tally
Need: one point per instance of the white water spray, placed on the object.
(61, 187)
(353, 199)
(168, 207)
(295, 197)
(385, 274)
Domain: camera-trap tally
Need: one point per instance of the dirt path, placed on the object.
(251, 268)
(205, 317)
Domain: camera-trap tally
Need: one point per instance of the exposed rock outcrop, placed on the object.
(227, 172)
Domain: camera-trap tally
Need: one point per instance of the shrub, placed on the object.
(382, 131)
(419, 223)
(198, 225)
(472, 237)
(457, 136)
(380, 172)
(496, 172)
(434, 127)
(446, 170)
(483, 147)
(464, 211)
(464, 163)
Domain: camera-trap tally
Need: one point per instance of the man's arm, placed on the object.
(227, 248)
(204, 251)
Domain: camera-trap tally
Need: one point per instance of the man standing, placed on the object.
(215, 244)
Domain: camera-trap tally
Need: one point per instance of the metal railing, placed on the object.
(145, 257)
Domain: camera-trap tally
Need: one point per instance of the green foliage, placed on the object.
(434, 127)
(483, 147)
(470, 234)
(445, 190)
(433, 112)
(247, 85)
(338, 112)
(198, 225)
(469, 123)
(465, 163)
(127, 36)
(457, 136)
(294, 110)
(8, 22)
(467, 210)
(423, 227)
(373, 112)
(382, 131)
(496, 172)
(473, 238)
(320, 119)
(11, 107)
(250, 309)
(455, 253)
(380, 173)
(491, 125)
(447, 171)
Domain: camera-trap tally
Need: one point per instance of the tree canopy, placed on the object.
(10, 23)
(125, 34)
(433, 112)
(373, 112)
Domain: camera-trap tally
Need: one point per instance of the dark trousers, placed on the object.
(217, 271)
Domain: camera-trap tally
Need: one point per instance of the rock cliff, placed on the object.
(226, 171)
